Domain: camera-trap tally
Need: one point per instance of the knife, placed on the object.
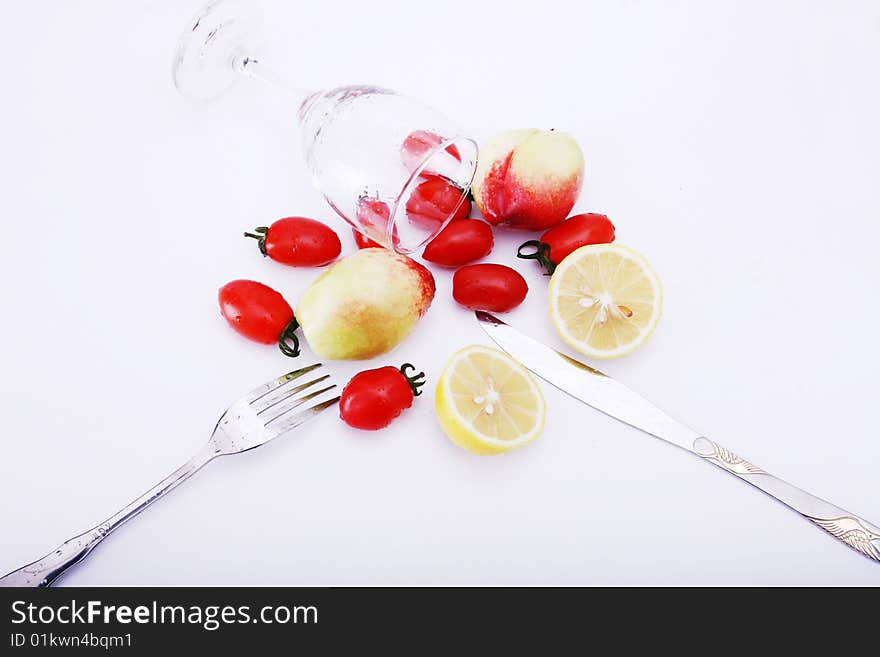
(613, 398)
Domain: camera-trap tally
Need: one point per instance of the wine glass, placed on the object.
(392, 167)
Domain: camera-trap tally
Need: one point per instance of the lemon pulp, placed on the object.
(488, 403)
(605, 300)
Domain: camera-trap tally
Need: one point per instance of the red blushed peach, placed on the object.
(364, 304)
(528, 179)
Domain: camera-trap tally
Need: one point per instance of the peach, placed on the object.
(364, 304)
(528, 179)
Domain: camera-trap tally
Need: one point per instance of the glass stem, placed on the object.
(253, 68)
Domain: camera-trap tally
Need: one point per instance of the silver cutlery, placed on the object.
(603, 393)
(261, 415)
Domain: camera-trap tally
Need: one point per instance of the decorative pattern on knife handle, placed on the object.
(852, 532)
(849, 529)
(722, 456)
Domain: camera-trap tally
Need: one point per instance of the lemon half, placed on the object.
(488, 403)
(605, 300)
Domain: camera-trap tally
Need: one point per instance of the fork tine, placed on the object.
(268, 387)
(268, 401)
(297, 419)
(285, 408)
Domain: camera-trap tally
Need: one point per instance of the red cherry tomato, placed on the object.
(362, 241)
(373, 216)
(298, 241)
(418, 144)
(373, 398)
(461, 242)
(259, 313)
(433, 201)
(573, 233)
(489, 287)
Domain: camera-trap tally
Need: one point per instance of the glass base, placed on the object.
(207, 52)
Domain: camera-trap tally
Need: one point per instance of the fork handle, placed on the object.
(43, 572)
(853, 531)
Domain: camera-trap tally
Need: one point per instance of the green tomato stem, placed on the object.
(289, 334)
(259, 234)
(415, 381)
(541, 254)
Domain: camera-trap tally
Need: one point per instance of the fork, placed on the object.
(255, 419)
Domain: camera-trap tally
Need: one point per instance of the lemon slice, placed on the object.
(488, 403)
(605, 300)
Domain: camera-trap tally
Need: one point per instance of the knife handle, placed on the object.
(853, 531)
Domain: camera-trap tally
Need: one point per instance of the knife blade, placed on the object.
(603, 393)
(587, 384)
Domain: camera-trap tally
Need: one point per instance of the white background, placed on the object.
(735, 144)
